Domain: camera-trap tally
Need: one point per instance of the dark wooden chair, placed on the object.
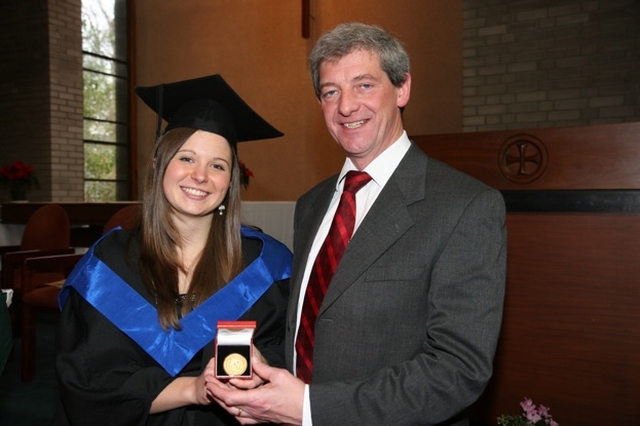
(47, 232)
(42, 297)
(126, 217)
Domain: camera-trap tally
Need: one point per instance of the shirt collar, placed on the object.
(383, 166)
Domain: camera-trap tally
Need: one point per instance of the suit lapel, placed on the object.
(305, 230)
(387, 220)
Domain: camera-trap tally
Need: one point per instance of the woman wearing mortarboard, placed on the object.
(140, 311)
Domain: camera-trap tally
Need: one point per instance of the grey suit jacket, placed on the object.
(407, 331)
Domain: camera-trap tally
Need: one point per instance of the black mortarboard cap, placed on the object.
(209, 104)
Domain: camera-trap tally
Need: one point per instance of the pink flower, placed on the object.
(544, 411)
(533, 417)
(527, 405)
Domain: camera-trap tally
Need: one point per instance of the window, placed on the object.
(105, 109)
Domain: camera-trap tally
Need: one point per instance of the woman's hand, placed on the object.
(183, 391)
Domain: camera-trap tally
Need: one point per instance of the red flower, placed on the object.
(245, 174)
(18, 174)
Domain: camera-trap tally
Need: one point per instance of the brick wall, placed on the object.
(66, 87)
(41, 94)
(550, 63)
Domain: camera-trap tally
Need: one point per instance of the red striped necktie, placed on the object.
(323, 268)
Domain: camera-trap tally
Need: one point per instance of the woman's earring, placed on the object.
(221, 209)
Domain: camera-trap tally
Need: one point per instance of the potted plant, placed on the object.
(19, 177)
(532, 415)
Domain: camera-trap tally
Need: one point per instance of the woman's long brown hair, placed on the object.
(221, 258)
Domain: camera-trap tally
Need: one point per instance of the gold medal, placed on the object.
(235, 364)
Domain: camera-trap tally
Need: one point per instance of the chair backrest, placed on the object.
(48, 228)
(126, 217)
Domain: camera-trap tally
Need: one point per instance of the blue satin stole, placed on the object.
(138, 319)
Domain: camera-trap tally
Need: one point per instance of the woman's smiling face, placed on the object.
(199, 175)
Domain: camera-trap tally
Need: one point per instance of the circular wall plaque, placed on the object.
(522, 158)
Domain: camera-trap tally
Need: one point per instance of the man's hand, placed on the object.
(278, 400)
(255, 380)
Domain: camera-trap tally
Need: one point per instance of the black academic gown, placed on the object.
(105, 378)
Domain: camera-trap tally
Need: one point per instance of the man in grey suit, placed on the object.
(408, 328)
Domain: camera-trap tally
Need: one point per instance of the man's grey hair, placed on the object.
(349, 37)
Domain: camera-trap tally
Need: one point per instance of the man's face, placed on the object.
(361, 106)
